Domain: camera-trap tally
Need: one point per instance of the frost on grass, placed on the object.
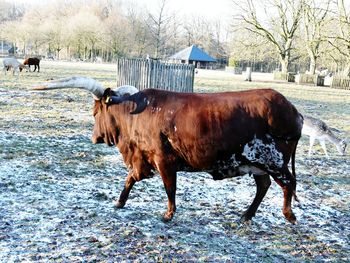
(57, 192)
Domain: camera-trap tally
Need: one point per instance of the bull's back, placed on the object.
(250, 112)
(208, 126)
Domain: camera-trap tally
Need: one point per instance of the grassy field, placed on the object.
(56, 188)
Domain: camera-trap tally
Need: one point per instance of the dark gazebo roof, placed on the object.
(193, 53)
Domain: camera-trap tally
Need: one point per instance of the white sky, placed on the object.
(210, 8)
(214, 9)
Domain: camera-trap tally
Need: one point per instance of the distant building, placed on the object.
(5, 47)
(194, 55)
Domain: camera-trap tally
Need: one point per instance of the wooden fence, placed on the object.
(306, 79)
(310, 79)
(146, 73)
(340, 82)
(278, 75)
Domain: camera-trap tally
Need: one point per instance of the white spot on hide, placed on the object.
(158, 109)
(264, 153)
(233, 162)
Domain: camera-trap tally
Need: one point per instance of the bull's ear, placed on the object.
(107, 95)
(141, 101)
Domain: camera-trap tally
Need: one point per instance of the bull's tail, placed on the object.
(293, 172)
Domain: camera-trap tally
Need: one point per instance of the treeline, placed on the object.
(296, 34)
(86, 29)
(315, 33)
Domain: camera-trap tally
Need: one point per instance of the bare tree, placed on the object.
(9, 32)
(10, 14)
(243, 47)
(197, 30)
(158, 24)
(174, 35)
(138, 33)
(340, 41)
(281, 27)
(10, 11)
(32, 29)
(314, 24)
(54, 34)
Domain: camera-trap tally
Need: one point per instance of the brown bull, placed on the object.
(225, 134)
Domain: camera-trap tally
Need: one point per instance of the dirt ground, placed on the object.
(57, 189)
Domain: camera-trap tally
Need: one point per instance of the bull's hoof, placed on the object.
(119, 204)
(290, 217)
(168, 217)
(247, 217)
(245, 220)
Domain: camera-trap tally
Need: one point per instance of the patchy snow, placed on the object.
(57, 203)
(57, 193)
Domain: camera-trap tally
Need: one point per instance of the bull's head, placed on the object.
(104, 127)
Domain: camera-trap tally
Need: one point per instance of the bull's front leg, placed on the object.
(169, 179)
(263, 183)
(129, 183)
(170, 188)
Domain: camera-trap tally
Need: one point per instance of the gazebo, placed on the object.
(193, 55)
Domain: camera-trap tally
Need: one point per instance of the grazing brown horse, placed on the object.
(32, 61)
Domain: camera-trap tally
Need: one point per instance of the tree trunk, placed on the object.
(68, 52)
(346, 71)
(85, 53)
(285, 64)
(92, 58)
(58, 53)
(312, 67)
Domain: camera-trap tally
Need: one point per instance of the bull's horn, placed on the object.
(125, 90)
(75, 82)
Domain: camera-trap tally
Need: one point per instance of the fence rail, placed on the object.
(145, 73)
(341, 82)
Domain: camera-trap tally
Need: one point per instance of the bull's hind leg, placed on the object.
(288, 184)
(287, 207)
(129, 183)
(263, 183)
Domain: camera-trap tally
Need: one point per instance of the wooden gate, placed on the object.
(148, 73)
